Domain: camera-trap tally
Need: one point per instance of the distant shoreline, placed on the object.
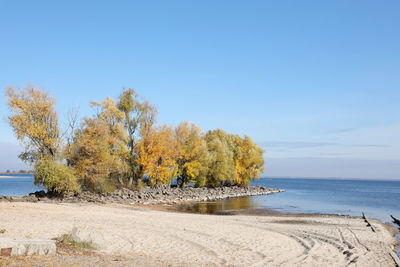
(331, 178)
(8, 176)
(5, 176)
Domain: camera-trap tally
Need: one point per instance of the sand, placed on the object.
(146, 237)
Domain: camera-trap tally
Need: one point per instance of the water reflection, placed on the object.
(225, 206)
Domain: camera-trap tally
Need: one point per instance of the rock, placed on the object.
(41, 193)
(88, 235)
(27, 247)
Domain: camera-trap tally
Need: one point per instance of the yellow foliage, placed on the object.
(192, 157)
(250, 162)
(99, 150)
(233, 160)
(34, 122)
(157, 154)
(120, 144)
(137, 115)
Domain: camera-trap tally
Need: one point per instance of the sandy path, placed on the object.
(197, 240)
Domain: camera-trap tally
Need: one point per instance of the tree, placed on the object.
(221, 164)
(34, 121)
(157, 154)
(70, 129)
(55, 176)
(99, 151)
(192, 160)
(250, 162)
(137, 115)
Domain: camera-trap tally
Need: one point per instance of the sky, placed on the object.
(315, 83)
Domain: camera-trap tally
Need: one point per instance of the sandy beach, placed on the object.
(146, 237)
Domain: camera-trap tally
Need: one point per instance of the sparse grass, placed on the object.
(68, 241)
(28, 236)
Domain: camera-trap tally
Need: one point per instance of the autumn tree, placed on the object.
(157, 153)
(99, 151)
(56, 177)
(249, 163)
(138, 114)
(192, 159)
(34, 121)
(221, 168)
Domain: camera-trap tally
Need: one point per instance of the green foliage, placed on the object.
(55, 177)
(3, 231)
(232, 160)
(221, 170)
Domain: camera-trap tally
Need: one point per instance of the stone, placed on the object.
(40, 193)
(88, 235)
(5, 251)
(27, 247)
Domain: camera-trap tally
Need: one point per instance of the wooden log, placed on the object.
(395, 220)
(394, 257)
(368, 223)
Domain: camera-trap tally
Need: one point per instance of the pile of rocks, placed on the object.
(150, 195)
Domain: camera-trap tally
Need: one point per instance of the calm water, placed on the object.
(19, 185)
(378, 199)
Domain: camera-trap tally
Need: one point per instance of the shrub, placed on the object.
(55, 177)
(68, 241)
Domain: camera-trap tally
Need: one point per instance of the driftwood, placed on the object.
(368, 223)
(394, 257)
(395, 220)
(391, 253)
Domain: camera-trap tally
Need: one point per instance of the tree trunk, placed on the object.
(121, 181)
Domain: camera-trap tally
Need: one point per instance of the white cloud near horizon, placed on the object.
(332, 168)
(293, 144)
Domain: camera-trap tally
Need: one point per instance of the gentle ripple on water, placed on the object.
(19, 185)
(378, 199)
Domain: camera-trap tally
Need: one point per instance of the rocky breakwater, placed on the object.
(152, 195)
(169, 195)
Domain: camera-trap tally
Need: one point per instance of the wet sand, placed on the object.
(160, 238)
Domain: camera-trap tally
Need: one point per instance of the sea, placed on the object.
(17, 184)
(376, 198)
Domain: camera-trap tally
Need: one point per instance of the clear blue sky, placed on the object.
(317, 83)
